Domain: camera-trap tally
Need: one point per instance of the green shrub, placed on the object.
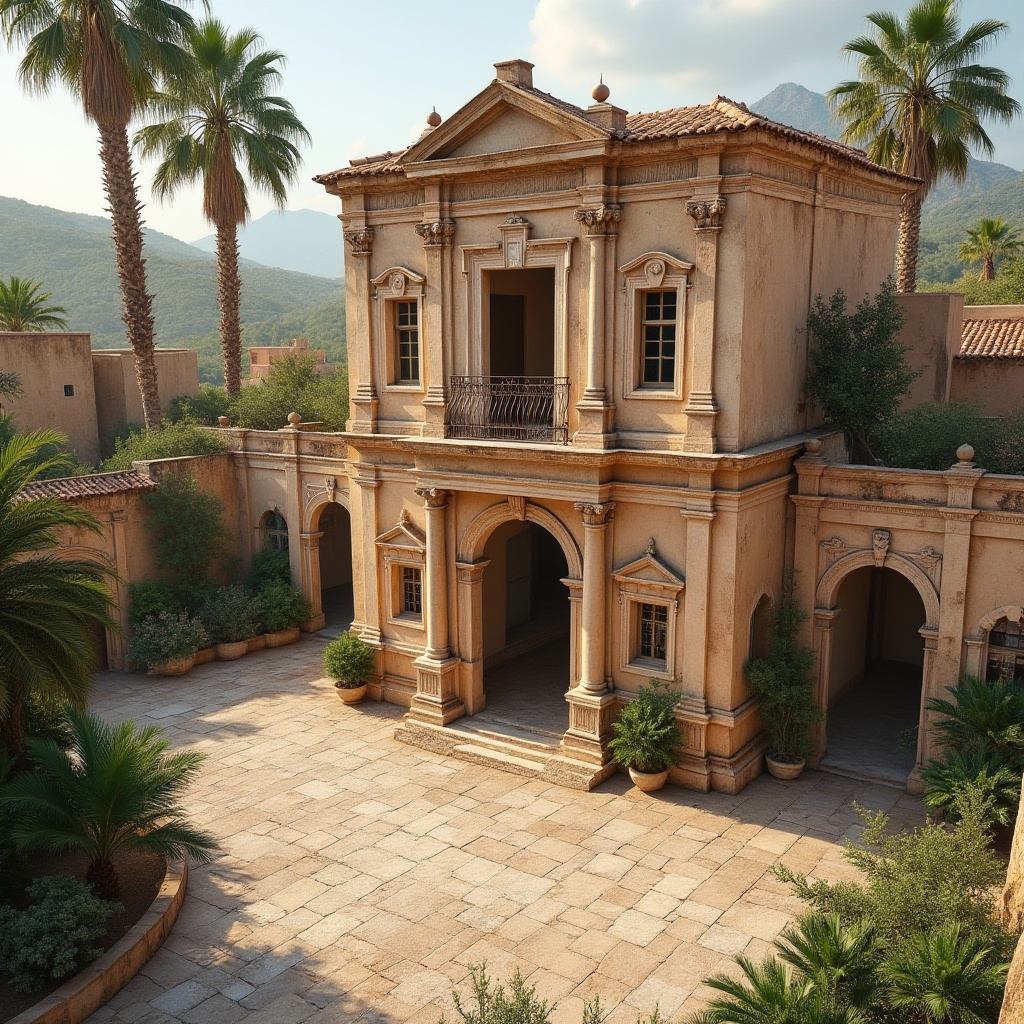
(147, 598)
(205, 408)
(46, 718)
(232, 614)
(269, 565)
(928, 435)
(292, 386)
(493, 1005)
(646, 734)
(118, 432)
(162, 637)
(350, 660)
(282, 606)
(783, 680)
(171, 441)
(987, 771)
(56, 935)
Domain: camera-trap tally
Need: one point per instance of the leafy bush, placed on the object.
(783, 680)
(646, 734)
(160, 638)
(147, 598)
(46, 718)
(269, 565)
(56, 935)
(282, 606)
(292, 386)
(118, 432)
(989, 772)
(205, 408)
(232, 614)
(349, 660)
(171, 441)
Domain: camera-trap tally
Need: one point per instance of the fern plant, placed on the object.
(646, 734)
(991, 773)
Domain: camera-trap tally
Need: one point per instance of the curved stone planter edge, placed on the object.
(98, 983)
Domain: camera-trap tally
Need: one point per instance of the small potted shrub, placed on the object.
(647, 736)
(783, 681)
(284, 609)
(231, 617)
(167, 643)
(349, 661)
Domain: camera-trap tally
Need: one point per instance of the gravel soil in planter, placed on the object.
(140, 874)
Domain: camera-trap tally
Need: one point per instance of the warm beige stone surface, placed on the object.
(361, 876)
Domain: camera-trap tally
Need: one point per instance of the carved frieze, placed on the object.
(437, 232)
(394, 200)
(706, 213)
(521, 185)
(360, 241)
(643, 174)
(599, 220)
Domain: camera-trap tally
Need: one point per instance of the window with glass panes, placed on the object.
(407, 339)
(412, 591)
(658, 326)
(653, 629)
(1005, 651)
(275, 530)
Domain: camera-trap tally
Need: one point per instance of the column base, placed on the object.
(437, 701)
(312, 625)
(434, 406)
(590, 723)
(701, 412)
(597, 424)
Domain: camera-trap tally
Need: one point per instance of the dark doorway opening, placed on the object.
(521, 322)
(336, 568)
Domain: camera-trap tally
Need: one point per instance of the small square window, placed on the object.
(69, 390)
(412, 591)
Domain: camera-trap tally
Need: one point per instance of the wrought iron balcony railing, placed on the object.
(508, 408)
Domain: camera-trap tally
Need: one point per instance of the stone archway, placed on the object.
(977, 641)
(325, 515)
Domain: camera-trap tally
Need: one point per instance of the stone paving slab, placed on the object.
(360, 877)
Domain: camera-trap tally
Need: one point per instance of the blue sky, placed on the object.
(364, 76)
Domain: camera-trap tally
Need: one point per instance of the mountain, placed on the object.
(305, 241)
(798, 107)
(73, 256)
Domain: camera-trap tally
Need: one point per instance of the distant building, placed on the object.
(263, 357)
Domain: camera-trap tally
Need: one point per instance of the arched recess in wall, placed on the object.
(1001, 632)
(760, 622)
(273, 530)
(471, 547)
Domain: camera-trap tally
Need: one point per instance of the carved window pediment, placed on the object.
(404, 538)
(655, 265)
(649, 575)
(396, 281)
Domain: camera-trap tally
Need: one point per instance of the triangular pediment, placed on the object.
(503, 119)
(405, 534)
(649, 572)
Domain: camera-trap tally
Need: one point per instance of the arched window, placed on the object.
(275, 531)
(759, 625)
(1005, 650)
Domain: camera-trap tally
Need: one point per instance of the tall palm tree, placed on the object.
(920, 101)
(987, 240)
(110, 52)
(221, 125)
(50, 607)
(22, 307)
(115, 789)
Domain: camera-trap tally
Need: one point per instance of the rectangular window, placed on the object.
(412, 591)
(69, 390)
(407, 342)
(653, 629)
(658, 332)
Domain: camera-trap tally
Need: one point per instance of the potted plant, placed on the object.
(167, 643)
(783, 681)
(231, 617)
(284, 609)
(647, 736)
(350, 662)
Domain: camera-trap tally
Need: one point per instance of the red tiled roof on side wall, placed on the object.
(89, 486)
(1001, 338)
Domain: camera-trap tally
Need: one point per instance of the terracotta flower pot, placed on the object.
(648, 782)
(174, 666)
(351, 694)
(283, 636)
(229, 652)
(784, 769)
(205, 655)
(256, 643)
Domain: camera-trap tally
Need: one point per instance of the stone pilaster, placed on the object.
(699, 515)
(823, 622)
(363, 384)
(471, 632)
(927, 747)
(437, 239)
(701, 407)
(310, 576)
(366, 582)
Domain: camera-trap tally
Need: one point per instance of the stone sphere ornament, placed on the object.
(294, 419)
(601, 91)
(433, 118)
(965, 453)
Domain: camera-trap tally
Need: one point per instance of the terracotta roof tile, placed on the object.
(89, 485)
(993, 339)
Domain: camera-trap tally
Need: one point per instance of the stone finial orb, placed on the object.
(965, 453)
(433, 118)
(813, 446)
(601, 91)
(223, 421)
(294, 419)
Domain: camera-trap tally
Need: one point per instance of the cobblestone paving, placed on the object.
(360, 877)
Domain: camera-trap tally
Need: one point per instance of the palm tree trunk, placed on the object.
(1013, 998)
(103, 878)
(125, 212)
(988, 267)
(229, 287)
(906, 248)
(1011, 903)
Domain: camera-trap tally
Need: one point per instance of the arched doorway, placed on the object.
(335, 553)
(526, 629)
(874, 687)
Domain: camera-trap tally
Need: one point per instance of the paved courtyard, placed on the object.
(360, 877)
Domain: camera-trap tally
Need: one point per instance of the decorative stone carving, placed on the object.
(599, 220)
(707, 213)
(438, 232)
(404, 518)
(595, 513)
(514, 235)
(930, 560)
(833, 548)
(517, 506)
(654, 271)
(880, 546)
(651, 550)
(330, 485)
(433, 497)
(360, 241)
(397, 283)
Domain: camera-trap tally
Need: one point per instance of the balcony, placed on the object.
(508, 409)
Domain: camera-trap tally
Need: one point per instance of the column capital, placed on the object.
(433, 497)
(436, 232)
(595, 513)
(707, 212)
(599, 220)
(360, 241)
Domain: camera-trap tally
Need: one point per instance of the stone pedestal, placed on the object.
(437, 700)
(590, 723)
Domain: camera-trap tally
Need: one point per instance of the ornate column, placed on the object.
(701, 407)
(310, 578)
(471, 632)
(699, 513)
(595, 409)
(366, 582)
(824, 619)
(364, 387)
(927, 748)
(437, 701)
(437, 239)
